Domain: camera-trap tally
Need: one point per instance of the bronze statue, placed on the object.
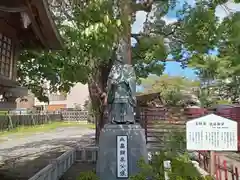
(121, 89)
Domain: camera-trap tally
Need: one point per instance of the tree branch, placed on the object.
(142, 6)
(136, 37)
(172, 32)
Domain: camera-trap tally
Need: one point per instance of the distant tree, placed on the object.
(219, 79)
(174, 90)
(77, 106)
(86, 104)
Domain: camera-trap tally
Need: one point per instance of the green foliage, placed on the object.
(90, 31)
(201, 22)
(206, 98)
(3, 113)
(219, 79)
(176, 142)
(146, 54)
(174, 90)
(223, 102)
(89, 175)
(89, 34)
(201, 31)
(173, 97)
(166, 82)
(181, 168)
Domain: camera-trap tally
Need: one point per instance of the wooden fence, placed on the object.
(10, 121)
(13, 121)
(159, 122)
(157, 133)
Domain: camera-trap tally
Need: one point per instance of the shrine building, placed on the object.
(24, 24)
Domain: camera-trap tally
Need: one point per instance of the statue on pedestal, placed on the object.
(121, 89)
(122, 142)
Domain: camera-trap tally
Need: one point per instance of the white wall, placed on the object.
(78, 95)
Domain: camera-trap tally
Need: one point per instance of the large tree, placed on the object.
(91, 30)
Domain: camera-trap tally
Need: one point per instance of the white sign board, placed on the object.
(213, 133)
(167, 168)
(122, 157)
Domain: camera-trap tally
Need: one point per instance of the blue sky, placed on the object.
(174, 68)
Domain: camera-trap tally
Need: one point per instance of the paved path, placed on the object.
(21, 157)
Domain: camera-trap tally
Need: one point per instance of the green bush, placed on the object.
(181, 165)
(90, 175)
(3, 113)
(181, 168)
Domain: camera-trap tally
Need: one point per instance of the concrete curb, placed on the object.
(57, 167)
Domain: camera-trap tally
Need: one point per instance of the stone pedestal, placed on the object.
(107, 155)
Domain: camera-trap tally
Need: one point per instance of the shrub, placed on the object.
(90, 175)
(181, 168)
(181, 165)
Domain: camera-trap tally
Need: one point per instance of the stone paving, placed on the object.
(21, 157)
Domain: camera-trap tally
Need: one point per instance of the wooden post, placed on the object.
(219, 168)
(212, 163)
(225, 169)
(232, 172)
(10, 124)
(33, 120)
(236, 173)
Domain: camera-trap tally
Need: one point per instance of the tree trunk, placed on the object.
(97, 91)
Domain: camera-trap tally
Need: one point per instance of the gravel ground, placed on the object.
(20, 158)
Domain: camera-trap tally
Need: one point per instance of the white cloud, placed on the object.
(138, 24)
(169, 20)
(225, 10)
(140, 19)
(221, 11)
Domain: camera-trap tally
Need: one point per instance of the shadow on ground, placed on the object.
(22, 162)
(75, 170)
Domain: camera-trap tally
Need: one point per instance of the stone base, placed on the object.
(107, 154)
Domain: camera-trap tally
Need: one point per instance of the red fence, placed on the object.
(224, 169)
(150, 115)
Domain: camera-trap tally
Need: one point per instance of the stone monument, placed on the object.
(122, 142)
